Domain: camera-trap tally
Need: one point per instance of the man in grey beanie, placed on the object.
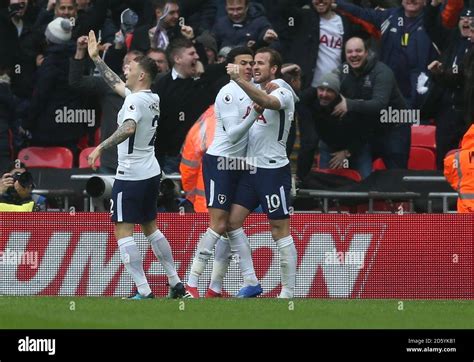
(343, 140)
(59, 31)
(53, 97)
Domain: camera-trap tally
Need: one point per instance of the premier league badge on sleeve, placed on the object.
(228, 98)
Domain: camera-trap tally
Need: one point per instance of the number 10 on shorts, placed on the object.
(273, 201)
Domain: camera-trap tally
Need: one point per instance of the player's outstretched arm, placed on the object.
(127, 128)
(112, 79)
(236, 129)
(258, 96)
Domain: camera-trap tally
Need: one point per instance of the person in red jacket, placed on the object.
(197, 142)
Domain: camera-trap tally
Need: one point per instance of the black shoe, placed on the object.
(178, 291)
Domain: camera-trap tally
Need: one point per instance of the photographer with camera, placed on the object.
(16, 187)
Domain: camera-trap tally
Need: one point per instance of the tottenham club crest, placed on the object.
(221, 198)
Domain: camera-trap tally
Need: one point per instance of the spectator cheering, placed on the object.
(343, 139)
(165, 31)
(405, 45)
(53, 96)
(369, 87)
(244, 25)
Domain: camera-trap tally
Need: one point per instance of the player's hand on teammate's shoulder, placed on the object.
(258, 109)
(270, 87)
(233, 70)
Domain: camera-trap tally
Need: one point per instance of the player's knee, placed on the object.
(279, 231)
(219, 226)
(233, 225)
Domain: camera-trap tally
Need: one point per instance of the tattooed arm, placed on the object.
(127, 129)
(112, 79)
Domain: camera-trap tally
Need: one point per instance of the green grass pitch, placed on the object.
(100, 312)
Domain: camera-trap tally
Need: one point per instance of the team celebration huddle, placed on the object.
(254, 111)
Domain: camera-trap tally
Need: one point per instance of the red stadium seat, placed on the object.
(48, 157)
(378, 164)
(421, 159)
(423, 136)
(83, 158)
(346, 172)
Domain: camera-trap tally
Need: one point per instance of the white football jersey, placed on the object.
(267, 137)
(136, 155)
(231, 107)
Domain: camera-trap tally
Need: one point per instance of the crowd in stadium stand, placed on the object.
(407, 55)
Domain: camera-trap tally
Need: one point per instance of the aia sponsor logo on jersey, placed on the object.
(260, 119)
(331, 41)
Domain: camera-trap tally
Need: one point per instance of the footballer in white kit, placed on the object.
(137, 182)
(134, 195)
(228, 149)
(222, 166)
(270, 185)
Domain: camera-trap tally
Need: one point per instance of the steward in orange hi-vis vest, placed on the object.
(198, 140)
(459, 171)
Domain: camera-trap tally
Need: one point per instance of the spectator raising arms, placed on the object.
(405, 45)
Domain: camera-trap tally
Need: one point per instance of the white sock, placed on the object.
(288, 260)
(203, 253)
(132, 259)
(239, 244)
(162, 250)
(222, 256)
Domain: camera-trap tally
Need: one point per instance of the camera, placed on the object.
(99, 188)
(25, 179)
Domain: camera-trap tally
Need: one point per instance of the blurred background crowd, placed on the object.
(410, 55)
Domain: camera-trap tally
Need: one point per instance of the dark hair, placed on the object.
(148, 65)
(156, 50)
(160, 4)
(246, 2)
(275, 59)
(58, 3)
(238, 51)
(177, 46)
